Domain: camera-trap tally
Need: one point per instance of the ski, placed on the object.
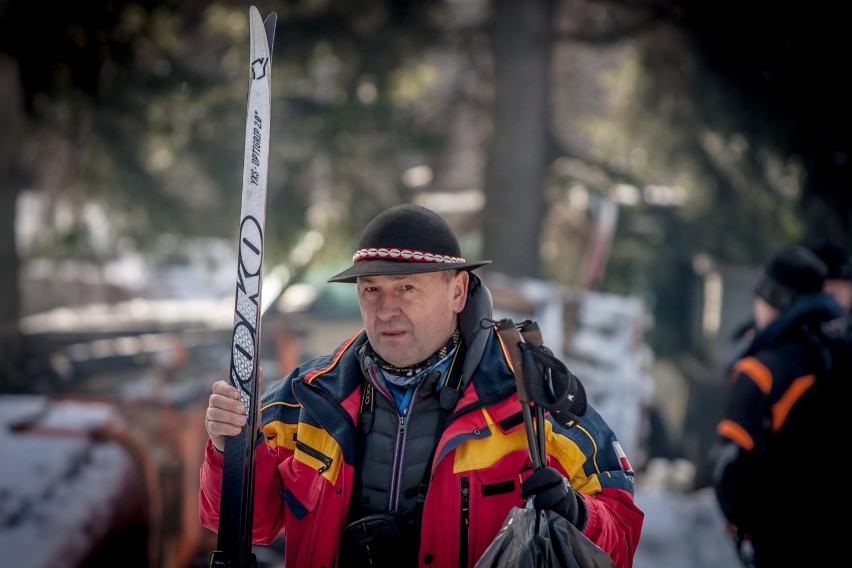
(235, 507)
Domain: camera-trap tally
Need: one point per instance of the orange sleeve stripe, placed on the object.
(756, 371)
(736, 433)
(781, 409)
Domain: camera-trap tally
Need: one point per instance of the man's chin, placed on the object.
(393, 355)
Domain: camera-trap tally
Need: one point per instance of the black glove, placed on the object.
(553, 493)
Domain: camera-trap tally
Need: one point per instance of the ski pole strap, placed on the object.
(508, 332)
(512, 340)
(553, 386)
(550, 384)
(531, 332)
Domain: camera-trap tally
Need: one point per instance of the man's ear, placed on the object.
(460, 283)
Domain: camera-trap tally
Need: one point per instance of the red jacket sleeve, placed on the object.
(614, 524)
(268, 512)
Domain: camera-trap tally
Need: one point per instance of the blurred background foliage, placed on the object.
(713, 131)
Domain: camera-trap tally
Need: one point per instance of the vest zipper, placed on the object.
(464, 523)
(396, 478)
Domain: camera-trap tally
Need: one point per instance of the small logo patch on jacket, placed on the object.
(622, 457)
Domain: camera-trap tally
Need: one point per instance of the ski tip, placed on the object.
(269, 25)
(268, 22)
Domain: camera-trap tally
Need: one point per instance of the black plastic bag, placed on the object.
(533, 539)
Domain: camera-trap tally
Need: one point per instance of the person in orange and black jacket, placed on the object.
(773, 452)
(406, 446)
(838, 284)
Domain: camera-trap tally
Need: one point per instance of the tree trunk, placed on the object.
(517, 159)
(11, 119)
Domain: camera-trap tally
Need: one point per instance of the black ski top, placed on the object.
(774, 449)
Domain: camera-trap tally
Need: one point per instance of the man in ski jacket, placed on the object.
(774, 450)
(406, 446)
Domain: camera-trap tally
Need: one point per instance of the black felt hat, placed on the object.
(406, 239)
(837, 260)
(791, 272)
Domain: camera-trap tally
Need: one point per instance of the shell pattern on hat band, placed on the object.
(404, 254)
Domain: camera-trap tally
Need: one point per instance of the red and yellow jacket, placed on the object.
(304, 471)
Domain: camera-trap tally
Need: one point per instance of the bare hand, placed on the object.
(226, 415)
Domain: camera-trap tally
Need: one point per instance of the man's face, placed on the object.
(763, 313)
(410, 316)
(840, 290)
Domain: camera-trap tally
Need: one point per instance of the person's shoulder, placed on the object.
(348, 348)
(836, 335)
(758, 360)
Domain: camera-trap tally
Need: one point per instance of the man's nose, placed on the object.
(388, 306)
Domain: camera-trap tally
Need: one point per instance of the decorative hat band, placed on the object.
(396, 240)
(404, 254)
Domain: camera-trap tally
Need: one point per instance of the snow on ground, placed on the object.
(683, 528)
(683, 531)
(59, 490)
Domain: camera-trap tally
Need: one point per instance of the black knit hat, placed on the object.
(406, 239)
(791, 272)
(837, 260)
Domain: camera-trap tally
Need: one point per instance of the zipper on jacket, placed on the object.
(316, 454)
(464, 523)
(399, 454)
(396, 477)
